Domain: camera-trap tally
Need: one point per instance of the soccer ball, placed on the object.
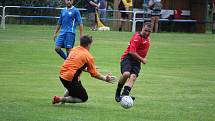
(126, 102)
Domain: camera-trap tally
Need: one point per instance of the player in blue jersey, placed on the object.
(70, 17)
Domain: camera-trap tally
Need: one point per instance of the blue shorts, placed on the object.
(66, 40)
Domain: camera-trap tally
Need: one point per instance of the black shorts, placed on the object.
(129, 64)
(121, 7)
(213, 16)
(75, 89)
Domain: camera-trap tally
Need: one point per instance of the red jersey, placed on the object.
(137, 44)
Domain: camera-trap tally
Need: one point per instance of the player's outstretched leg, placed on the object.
(120, 85)
(118, 92)
(69, 99)
(129, 84)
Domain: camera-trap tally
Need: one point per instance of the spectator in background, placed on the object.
(91, 8)
(213, 11)
(3, 2)
(124, 5)
(155, 6)
(102, 10)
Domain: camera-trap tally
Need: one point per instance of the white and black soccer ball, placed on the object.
(126, 102)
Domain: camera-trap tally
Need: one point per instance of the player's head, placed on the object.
(86, 41)
(68, 3)
(146, 30)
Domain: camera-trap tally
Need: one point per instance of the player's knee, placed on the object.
(84, 98)
(126, 74)
(133, 76)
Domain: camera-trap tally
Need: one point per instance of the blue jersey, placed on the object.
(68, 20)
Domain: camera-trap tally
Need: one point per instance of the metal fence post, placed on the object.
(3, 18)
(1, 14)
(134, 22)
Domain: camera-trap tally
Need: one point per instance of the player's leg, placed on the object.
(136, 66)
(62, 100)
(125, 70)
(70, 99)
(59, 44)
(69, 42)
(129, 84)
(77, 93)
(66, 94)
(120, 85)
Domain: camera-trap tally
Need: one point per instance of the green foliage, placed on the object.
(177, 84)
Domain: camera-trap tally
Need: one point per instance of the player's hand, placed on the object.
(110, 78)
(144, 60)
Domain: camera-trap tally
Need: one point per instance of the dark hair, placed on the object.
(86, 40)
(148, 24)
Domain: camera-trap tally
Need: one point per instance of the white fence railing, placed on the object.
(133, 20)
(4, 15)
(1, 7)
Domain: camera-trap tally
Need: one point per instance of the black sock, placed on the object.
(119, 88)
(126, 90)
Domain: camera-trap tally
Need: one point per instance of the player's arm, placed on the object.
(138, 57)
(59, 23)
(91, 68)
(56, 31)
(108, 78)
(94, 4)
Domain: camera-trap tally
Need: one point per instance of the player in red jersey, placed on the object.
(131, 60)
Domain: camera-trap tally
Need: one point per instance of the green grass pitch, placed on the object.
(177, 84)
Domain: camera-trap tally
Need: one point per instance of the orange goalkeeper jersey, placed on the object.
(78, 59)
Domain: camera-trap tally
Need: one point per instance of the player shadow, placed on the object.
(73, 106)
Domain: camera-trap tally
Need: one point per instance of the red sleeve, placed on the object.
(134, 42)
